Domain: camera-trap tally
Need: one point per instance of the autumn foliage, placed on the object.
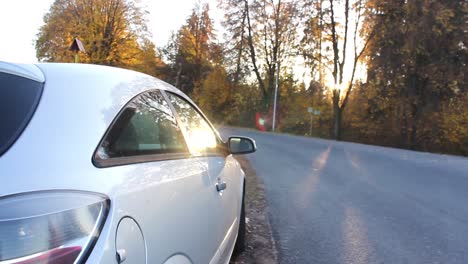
(380, 72)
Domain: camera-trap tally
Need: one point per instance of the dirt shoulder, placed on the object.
(260, 246)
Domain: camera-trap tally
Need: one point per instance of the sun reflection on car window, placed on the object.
(200, 136)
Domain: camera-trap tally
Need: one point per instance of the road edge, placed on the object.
(260, 244)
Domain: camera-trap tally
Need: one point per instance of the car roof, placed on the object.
(24, 70)
(89, 82)
(63, 70)
(54, 70)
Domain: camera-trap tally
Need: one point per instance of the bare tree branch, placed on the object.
(357, 55)
(345, 41)
(334, 43)
(253, 56)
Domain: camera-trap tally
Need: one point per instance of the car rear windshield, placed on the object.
(19, 98)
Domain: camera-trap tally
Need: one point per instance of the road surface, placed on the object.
(335, 202)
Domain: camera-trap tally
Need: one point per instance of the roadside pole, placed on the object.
(276, 92)
(312, 113)
(311, 122)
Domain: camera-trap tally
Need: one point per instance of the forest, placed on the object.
(382, 72)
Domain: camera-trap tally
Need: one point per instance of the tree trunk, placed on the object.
(178, 76)
(337, 110)
(337, 114)
(271, 86)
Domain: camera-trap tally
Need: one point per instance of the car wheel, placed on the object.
(240, 243)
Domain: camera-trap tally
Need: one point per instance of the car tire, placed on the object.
(240, 242)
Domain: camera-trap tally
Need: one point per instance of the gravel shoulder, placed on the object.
(260, 246)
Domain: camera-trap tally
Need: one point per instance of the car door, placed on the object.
(167, 193)
(207, 147)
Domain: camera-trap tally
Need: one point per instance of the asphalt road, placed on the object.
(335, 202)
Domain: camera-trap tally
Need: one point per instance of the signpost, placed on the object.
(76, 47)
(312, 112)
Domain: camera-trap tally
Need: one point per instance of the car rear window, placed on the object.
(145, 127)
(19, 98)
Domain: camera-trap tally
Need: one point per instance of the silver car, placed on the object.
(105, 165)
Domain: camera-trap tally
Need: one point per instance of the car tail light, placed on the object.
(50, 227)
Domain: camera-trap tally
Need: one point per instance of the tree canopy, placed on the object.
(114, 32)
(383, 72)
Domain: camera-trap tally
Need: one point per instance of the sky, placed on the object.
(20, 21)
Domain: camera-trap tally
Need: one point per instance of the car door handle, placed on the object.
(220, 186)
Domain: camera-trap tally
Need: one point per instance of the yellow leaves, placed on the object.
(214, 92)
(454, 122)
(110, 31)
(188, 45)
(443, 17)
(194, 38)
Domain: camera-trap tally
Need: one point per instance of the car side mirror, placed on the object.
(241, 145)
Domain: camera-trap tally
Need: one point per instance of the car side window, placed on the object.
(146, 126)
(199, 134)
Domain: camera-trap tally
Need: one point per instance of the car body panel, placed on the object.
(130, 243)
(226, 170)
(178, 259)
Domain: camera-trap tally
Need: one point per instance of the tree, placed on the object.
(235, 24)
(192, 50)
(149, 61)
(416, 70)
(276, 24)
(329, 37)
(266, 31)
(214, 94)
(114, 32)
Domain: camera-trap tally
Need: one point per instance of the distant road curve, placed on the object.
(336, 202)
